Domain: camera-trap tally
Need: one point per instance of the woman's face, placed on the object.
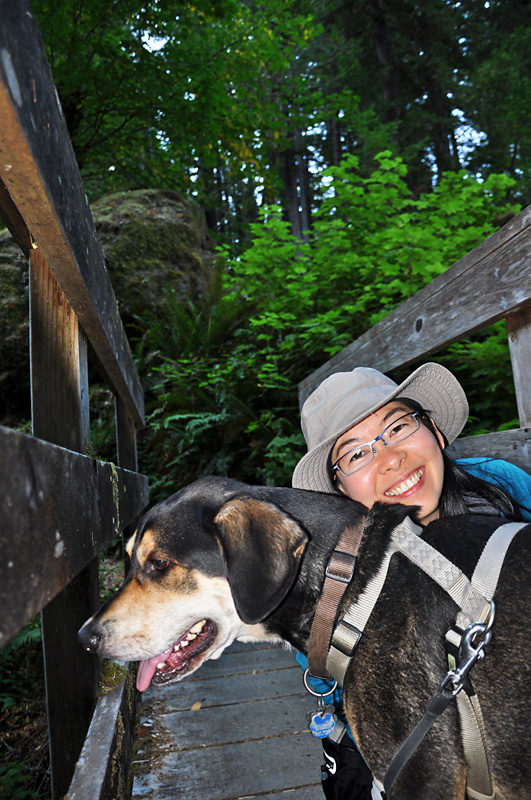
(410, 472)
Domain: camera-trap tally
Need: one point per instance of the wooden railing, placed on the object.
(490, 283)
(60, 508)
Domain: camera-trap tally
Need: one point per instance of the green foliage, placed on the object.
(17, 663)
(162, 94)
(226, 402)
(14, 780)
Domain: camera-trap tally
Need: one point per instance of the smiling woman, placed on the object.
(375, 441)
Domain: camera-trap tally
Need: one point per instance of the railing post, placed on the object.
(519, 332)
(60, 415)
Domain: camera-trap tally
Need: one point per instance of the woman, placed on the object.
(375, 441)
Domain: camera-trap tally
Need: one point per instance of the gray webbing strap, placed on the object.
(485, 580)
(479, 782)
(404, 539)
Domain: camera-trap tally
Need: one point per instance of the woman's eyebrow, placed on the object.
(401, 409)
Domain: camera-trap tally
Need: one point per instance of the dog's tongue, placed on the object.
(147, 669)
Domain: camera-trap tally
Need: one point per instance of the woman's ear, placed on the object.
(438, 435)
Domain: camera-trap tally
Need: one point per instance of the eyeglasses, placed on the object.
(396, 432)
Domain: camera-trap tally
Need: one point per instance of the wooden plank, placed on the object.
(39, 170)
(267, 684)
(125, 437)
(519, 332)
(71, 675)
(446, 309)
(13, 219)
(310, 793)
(234, 771)
(230, 723)
(58, 358)
(513, 446)
(102, 768)
(61, 509)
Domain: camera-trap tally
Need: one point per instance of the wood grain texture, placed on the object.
(519, 333)
(60, 509)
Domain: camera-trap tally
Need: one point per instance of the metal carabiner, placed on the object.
(471, 649)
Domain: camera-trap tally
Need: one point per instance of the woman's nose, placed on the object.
(389, 457)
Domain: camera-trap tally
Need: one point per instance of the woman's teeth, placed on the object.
(403, 487)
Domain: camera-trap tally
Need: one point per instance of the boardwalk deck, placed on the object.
(247, 740)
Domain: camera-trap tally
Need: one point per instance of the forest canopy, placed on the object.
(245, 103)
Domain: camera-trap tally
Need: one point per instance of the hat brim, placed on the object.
(432, 386)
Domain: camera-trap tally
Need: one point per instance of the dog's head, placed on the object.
(207, 566)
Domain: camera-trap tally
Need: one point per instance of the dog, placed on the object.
(221, 560)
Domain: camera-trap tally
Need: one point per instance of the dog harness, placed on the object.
(466, 641)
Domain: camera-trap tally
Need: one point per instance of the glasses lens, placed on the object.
(355, 459)
(400, 429)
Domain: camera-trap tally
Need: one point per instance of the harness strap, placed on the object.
(485, 580)
(339, 573)
(406, 540)
(479, 782)
(349, 629)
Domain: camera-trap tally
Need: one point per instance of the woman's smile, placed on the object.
(407, 484)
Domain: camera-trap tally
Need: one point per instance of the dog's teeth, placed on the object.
(159, 665)
(176, 647)
(185, 644)
(191, 636)
(198, 627)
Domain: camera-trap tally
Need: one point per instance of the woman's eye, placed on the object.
(356, 455)
(397, 428)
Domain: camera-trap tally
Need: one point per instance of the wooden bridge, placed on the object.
(238, 728)
(235, 729)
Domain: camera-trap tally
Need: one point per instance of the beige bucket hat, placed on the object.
(345, 398)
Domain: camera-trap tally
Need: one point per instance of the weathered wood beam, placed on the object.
(103, 766)
(513, 446)
(60, 510)
(39, 171)
(486, 285)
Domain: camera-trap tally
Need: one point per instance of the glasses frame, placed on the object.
(372, 442)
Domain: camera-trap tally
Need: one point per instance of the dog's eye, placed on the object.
(158, 564)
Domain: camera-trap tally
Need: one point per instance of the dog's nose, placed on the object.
(89, 637)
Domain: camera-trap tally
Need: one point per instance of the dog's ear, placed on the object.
(262, 547)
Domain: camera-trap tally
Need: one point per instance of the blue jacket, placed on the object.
(513, 480)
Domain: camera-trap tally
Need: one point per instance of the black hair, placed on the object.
(462, 492)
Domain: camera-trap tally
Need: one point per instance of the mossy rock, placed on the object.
(151, 239)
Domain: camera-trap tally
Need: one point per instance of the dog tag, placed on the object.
(322, 722)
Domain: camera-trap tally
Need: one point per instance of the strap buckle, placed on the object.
(337, 569)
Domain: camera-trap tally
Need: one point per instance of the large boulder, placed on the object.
(152, 240)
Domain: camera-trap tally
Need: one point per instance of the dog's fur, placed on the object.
(251, 560)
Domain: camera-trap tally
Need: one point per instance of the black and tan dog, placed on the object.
(221, 561)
